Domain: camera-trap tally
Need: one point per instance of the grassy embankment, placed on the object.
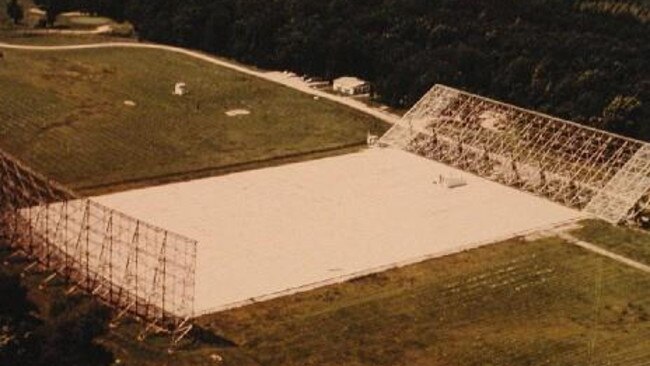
(64, 114)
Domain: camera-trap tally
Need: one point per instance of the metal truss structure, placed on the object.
(136, 268)
(584, 168)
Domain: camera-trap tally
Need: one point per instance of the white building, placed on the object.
(351, 85)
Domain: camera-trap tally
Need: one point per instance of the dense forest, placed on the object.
(63, 334)
(587, 61)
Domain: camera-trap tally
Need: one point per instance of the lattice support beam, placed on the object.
(578, 166)
(134, 267)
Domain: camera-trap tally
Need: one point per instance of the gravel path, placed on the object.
(598, 250)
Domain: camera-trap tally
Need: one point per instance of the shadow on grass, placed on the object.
(208, 337)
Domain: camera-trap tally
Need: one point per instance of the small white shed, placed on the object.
(180, 89)
(351, 85)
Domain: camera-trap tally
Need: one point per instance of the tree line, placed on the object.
(554, 56)
(15, 11)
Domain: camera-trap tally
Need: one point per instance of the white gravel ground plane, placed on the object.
(279, 230)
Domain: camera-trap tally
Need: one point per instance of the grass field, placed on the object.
(514, 303)
(634, 244)
(64, 114)
(83, 21)
(57, 39)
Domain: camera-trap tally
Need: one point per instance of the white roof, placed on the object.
(349, 82)
(341, 216)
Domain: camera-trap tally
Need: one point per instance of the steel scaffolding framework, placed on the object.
(584, 168)
(135, 267)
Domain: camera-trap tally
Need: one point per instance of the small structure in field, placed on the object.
(129, 103)
(351, 86)
(36, 11)
(372, 140)
(180, 89)
(238, 112)
(450, 181)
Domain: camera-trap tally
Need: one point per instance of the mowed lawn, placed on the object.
(57, 39)
(634, 244)
(64, 114)
(513, 303)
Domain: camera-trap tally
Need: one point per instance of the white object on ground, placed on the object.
(350, 85)
(129, 103)
(216, 357)
(238, 112)
(103, 29)
(451, 181)
(72, 14)
(180, 89)
(276, 231)
(36, 11)
(372, 140)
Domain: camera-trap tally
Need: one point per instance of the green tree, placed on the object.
(622, 115)
(69, 338)
(66, 336)
(53, 8)
(15, 11)
(218, 27)
(18, 344)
